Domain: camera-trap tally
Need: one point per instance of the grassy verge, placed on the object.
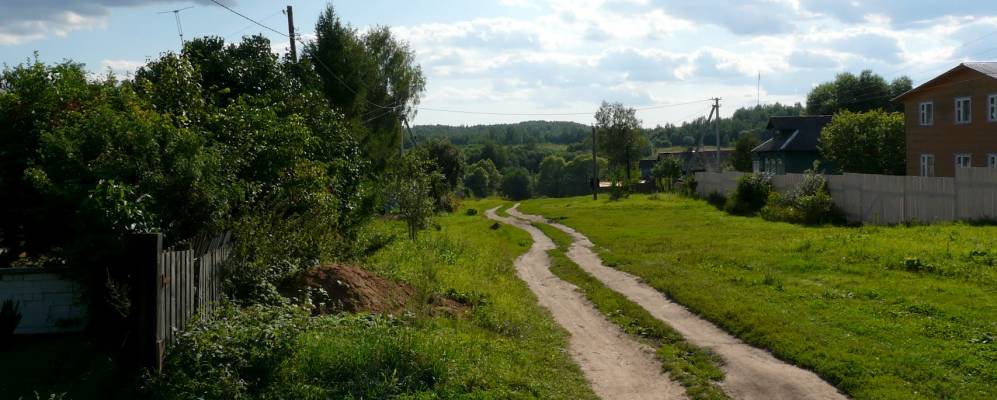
(502, 346)
(508, 347)
(696, 368)
(879, 312)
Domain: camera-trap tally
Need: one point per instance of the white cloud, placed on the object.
(121, 68)
(27, 20)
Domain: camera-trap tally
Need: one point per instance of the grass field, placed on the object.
(879, 312)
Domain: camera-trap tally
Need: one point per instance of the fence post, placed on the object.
(143, 252)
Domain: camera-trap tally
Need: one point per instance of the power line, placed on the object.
(249, 19)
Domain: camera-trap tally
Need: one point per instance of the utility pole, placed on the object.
(716, 128)
(758, 89)
(290, 33)
(595, 169)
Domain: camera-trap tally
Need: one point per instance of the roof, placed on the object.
(988, 69)
(794, 133)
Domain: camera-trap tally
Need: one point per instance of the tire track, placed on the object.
(617, 366)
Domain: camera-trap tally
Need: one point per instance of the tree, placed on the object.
(517, 184)
(864, 92)
(448, 158)
(413, 189)
(868, 143)
(496, 153)
(619, 136)
(371, 77)
(741, 158)
(551, 177)
(578, 175)
(666, 172)
(477, 181)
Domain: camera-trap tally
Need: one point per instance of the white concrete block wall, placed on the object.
(50, 303)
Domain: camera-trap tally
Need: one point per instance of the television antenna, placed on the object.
(176, 15)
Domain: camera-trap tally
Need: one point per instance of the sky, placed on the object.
(515, 60)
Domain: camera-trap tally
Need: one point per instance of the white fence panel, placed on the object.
(786, 183)
(846, 190)
(929, 199)
(882, 199)
(977, 193)
(719, 182)
(885, 199)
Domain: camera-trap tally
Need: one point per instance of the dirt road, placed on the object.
(617, 366)
(752, 373)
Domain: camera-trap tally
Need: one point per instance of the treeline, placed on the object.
(529, 132)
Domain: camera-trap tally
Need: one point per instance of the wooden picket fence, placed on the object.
(175, 284)
(884, 199)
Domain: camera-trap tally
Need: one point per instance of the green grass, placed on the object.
(879, 312)
(696, 368)
(507, 347)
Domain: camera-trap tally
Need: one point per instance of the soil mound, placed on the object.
(337, 288)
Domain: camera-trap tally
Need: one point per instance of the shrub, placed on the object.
(751, 195)
(809, 203)
(10, 317)
(666, 172)
(716, 199)
(238, 353)
(688, 185)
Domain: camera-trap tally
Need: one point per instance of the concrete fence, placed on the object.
(885, 199)
(49, 302)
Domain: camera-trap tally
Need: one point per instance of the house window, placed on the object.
(756, 166)
(992, 160)
(963, 110)
(927, 113)
(927, 165)
(992, 108)
(963, 161)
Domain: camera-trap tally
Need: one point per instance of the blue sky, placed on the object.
(558, 56)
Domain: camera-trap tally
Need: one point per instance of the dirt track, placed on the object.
(752, 373)
(617, 366)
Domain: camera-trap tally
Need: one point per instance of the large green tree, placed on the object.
(741, 158)
(863, 92)
(619, 136)
(869, 143)
(372, 77)
(550, 180)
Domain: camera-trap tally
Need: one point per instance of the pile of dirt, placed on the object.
(337, 288)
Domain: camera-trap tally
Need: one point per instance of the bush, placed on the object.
(687, 186)
(751, 195)
(238, 353)
(810, 203)
(666, 172)
(717, 200)
(517, 184)
(282, 353)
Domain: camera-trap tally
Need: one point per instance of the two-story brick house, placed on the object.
(951, 121)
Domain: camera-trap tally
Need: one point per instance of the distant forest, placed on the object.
(751, 120)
